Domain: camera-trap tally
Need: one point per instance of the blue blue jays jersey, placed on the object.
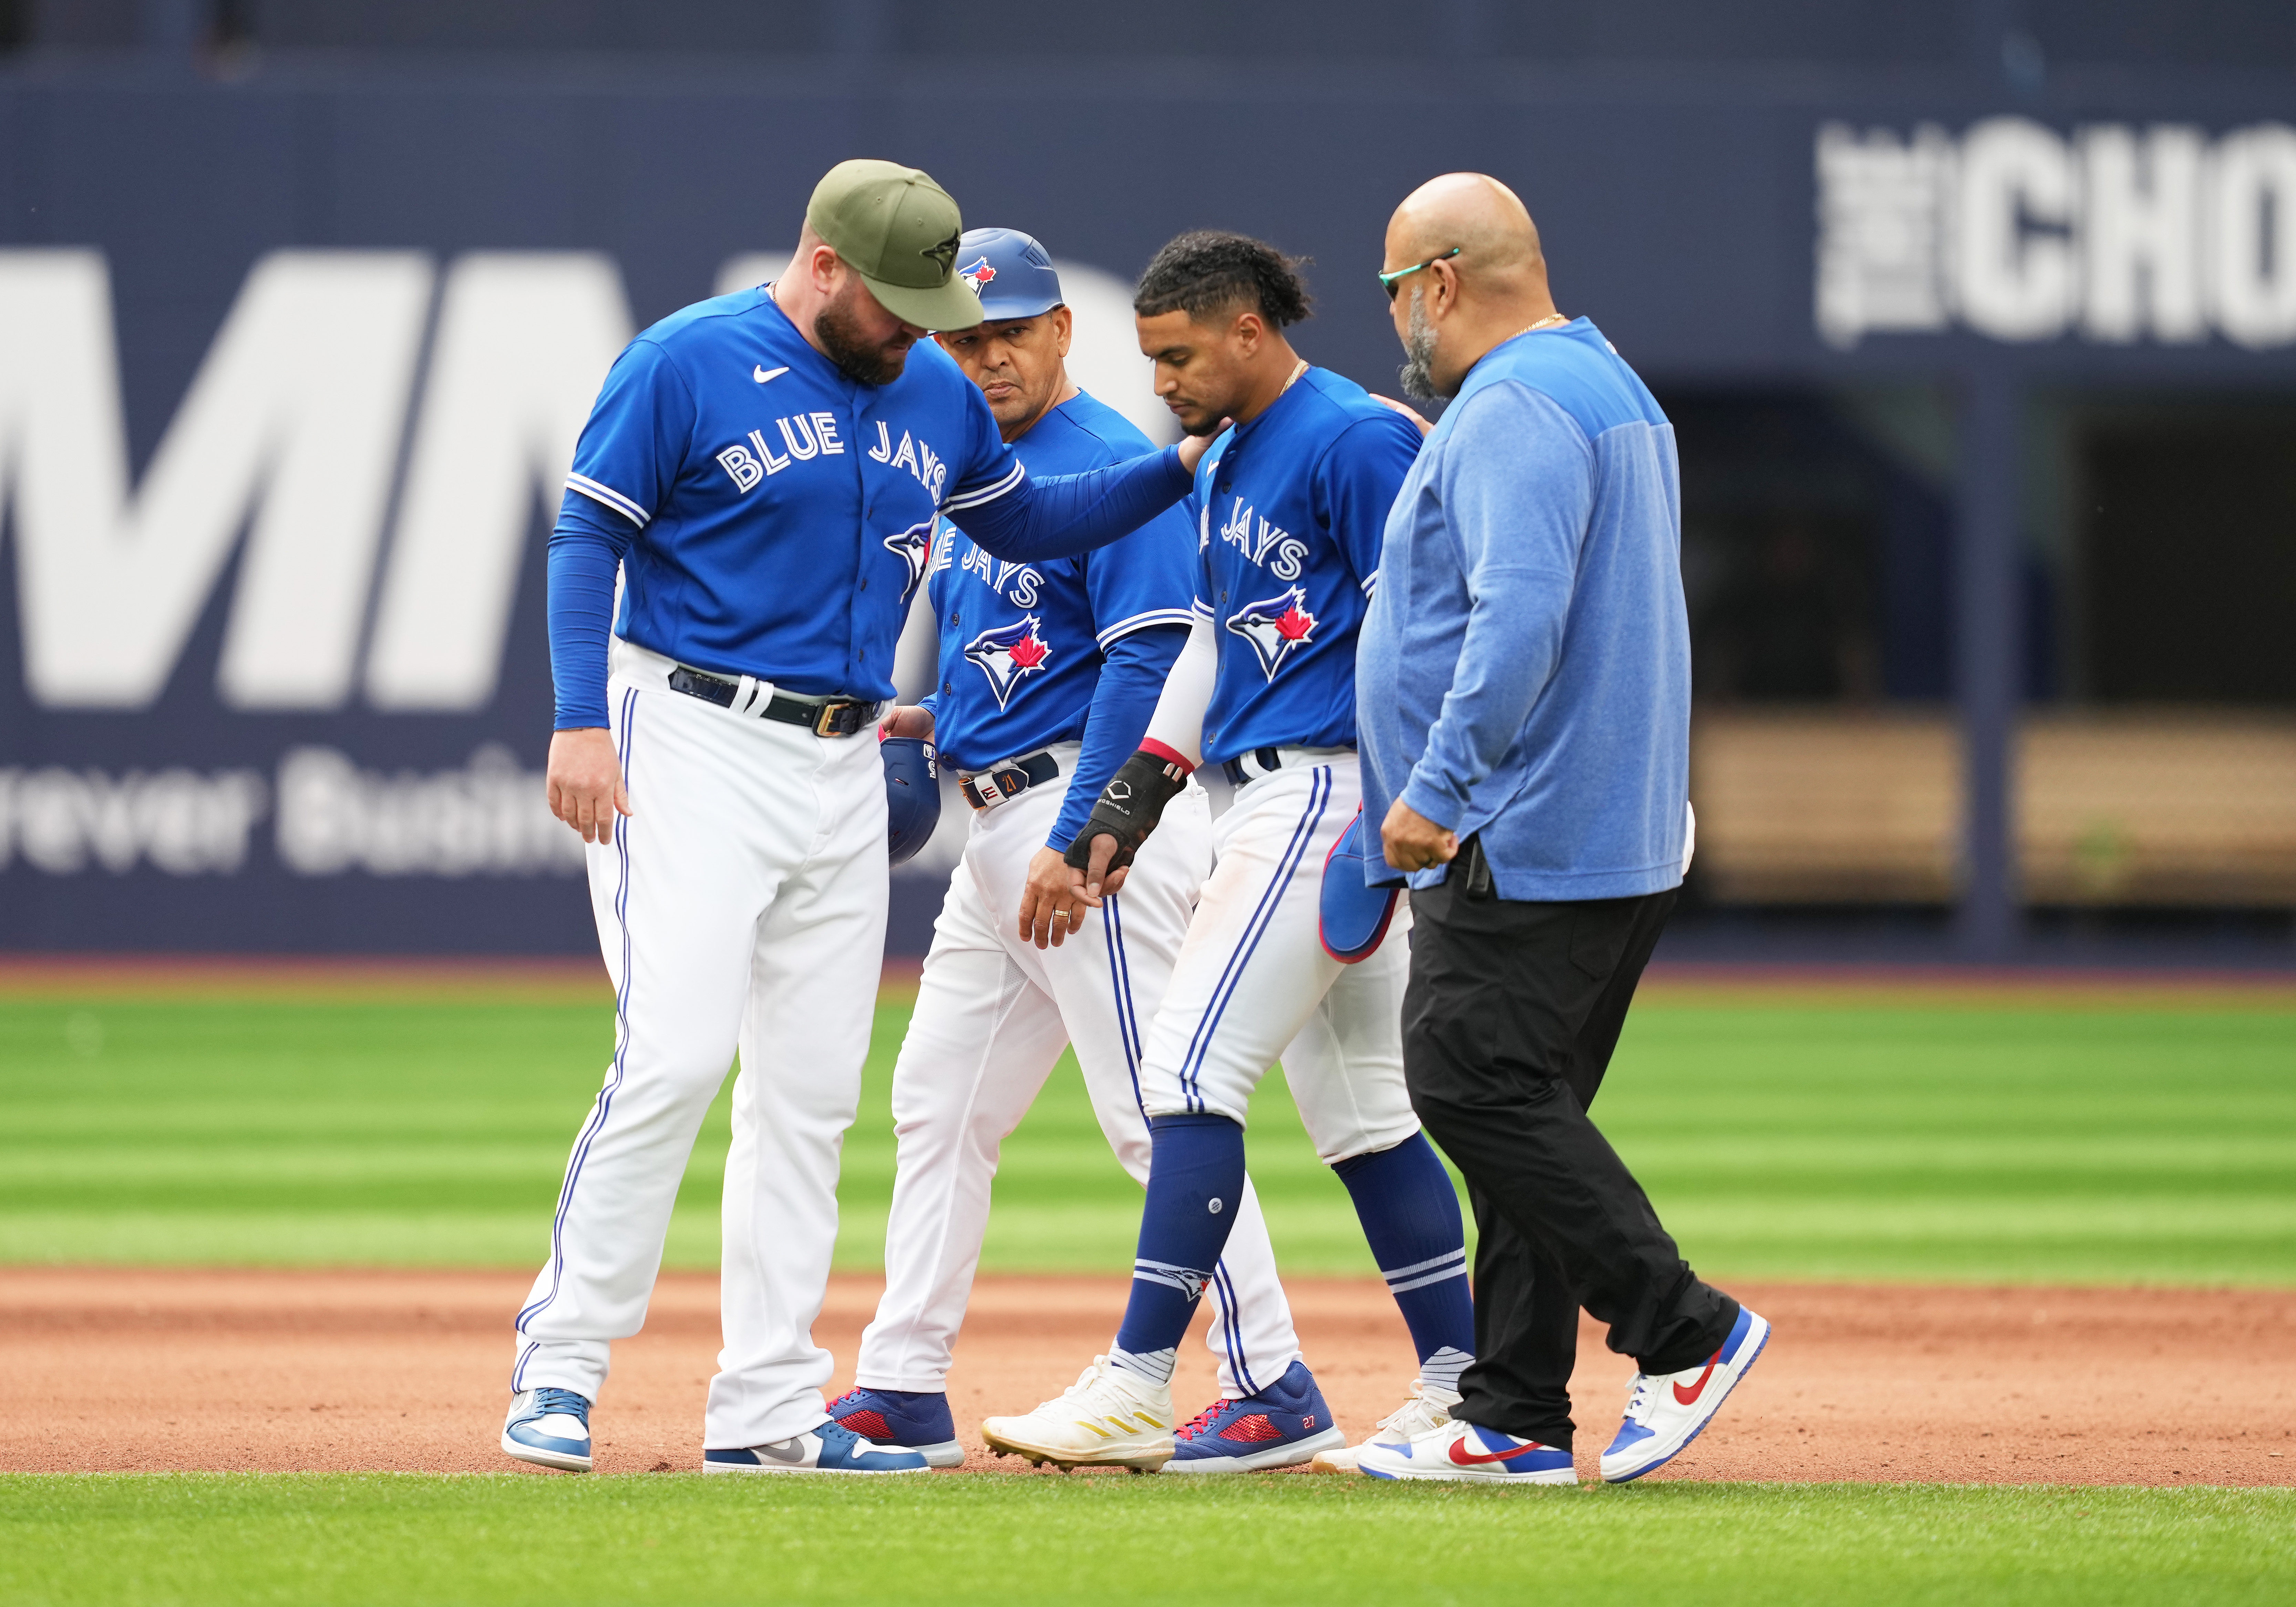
(1291, 509)
(1021, 643)
(784, 511)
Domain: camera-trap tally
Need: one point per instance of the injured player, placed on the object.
(1290, 505)
(1047, 674)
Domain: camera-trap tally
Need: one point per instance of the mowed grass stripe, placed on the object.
(2134, 1141)
(158, 1540)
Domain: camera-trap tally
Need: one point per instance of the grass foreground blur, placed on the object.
(511, 1538)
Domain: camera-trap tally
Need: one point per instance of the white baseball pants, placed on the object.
(1253, 984)
(743, 906)
(993, 1013)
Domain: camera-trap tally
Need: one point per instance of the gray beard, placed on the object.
(1417, 375)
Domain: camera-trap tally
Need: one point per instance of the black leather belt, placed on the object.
(1267, 758)
(834, 717)
(985, 788)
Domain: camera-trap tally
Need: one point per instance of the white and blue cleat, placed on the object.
(1666, 1411)
(1467, 1453)
(919, 1419)
(549, 1428)
(1284, 1425)
(827, 1449)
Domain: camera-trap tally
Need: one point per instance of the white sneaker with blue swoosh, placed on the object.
(827, 1449)
(549, 1428)
(1666, 1411)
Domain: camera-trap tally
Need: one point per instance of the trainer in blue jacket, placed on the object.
(1523, 698)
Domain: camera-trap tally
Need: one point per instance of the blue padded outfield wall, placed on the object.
(291, 360)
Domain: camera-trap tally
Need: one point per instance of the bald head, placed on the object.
(1482, 217)
(1465, 272)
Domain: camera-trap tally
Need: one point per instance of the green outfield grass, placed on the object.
(2124, 1142)
(499, 1540)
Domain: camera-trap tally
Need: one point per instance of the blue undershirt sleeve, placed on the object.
(1131, 678)
(586, 551)
(1025, 520)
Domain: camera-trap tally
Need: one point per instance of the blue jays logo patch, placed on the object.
(912, 546)
(980, 272)
(1009, 652)
(1276, 626)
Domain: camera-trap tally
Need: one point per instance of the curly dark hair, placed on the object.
(1208, 271)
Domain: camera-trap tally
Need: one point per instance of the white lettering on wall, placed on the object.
(2020, 234)
(490, 817)
(524, 339)
(296, 411)
(178, 821)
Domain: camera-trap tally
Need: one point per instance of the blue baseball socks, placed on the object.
(1195, 1181)
(1411, 1216)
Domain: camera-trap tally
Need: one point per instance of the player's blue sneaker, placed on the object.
(918, 1419)
(827, 1449)
(1467, 1453)
(1284, 1425)
(1666, 1411)
(550, 1428)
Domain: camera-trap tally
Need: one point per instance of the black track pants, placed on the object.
(1508, 1024)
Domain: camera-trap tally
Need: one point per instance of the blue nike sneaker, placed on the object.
(918, 1419)
(827, 1449)
(550, 1428)
(1284, 1425)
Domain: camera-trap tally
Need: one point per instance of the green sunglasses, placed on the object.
(1387, 281)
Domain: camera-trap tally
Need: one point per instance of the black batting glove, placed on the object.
(1128, 808)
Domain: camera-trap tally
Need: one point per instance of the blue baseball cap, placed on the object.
(1009, 271)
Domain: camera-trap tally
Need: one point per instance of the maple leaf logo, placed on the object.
(1276, 626)
(980, 272)
(1008, 654)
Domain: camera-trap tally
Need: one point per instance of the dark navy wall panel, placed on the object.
(1678, 208)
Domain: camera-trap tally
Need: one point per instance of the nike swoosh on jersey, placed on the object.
(761, 373)
(1698, 1388)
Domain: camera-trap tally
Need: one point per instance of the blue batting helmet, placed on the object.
(912, 795)
(1355, 915)
(1009, 271)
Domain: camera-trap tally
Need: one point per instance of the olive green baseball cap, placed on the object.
(899, 230)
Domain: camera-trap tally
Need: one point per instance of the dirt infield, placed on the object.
(582, 979)
(133, 1370)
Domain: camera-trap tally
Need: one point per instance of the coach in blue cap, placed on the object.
(1524, 694)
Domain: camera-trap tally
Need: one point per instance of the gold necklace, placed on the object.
(1296, 373)
(1548, 322)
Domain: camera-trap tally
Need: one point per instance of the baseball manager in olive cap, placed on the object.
(765, 472)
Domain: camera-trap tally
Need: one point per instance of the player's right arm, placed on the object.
(624, 466)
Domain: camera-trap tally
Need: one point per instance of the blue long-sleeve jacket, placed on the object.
(1524, 671)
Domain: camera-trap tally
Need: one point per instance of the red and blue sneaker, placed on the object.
(918, 1419)
(1468, 1453)
(1284, 1425)
(1666, 1411)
